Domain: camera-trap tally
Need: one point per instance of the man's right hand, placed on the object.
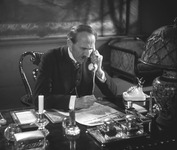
(84, 101)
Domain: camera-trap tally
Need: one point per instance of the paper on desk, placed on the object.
(96, 114)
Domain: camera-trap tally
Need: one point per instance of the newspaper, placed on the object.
(95, 115)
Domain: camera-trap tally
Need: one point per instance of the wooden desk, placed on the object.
(85, 142)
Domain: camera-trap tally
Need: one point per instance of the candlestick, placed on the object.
(71, 130)
(151, 113)
(41, 120)
(150, 103)
(72, 117)
(40, 104)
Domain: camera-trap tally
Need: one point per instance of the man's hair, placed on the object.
(80, 28)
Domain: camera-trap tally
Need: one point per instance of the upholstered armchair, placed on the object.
(121, 59)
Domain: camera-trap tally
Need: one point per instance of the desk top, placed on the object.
(57, 141)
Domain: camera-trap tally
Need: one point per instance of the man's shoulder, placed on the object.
(59, 50)
(56, 52)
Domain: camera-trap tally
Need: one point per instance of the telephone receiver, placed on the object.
(92, 66)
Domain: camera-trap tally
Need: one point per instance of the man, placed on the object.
(67, 74)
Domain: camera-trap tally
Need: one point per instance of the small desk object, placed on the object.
(124, 133)
(25, 118)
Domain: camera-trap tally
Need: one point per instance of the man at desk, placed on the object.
(67, 74)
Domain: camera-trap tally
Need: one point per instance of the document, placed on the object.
(95, 115)
(23, 117)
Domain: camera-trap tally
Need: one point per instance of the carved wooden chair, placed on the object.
(35, 58)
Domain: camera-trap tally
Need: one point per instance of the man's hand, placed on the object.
(97, 59)
(84, 101)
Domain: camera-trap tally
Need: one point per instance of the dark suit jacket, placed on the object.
(59, 78)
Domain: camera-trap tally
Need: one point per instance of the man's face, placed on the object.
(83, 47)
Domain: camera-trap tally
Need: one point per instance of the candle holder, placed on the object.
(41, 122)
(71, 130)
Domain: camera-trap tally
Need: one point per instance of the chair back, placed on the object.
(124, 56)
(35, 58)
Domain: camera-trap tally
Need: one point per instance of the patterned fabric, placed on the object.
(125, 53)
(135, 45)
(122, 61)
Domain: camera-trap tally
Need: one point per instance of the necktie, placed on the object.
(77, 78)
(76, 65)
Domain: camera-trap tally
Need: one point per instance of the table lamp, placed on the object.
(161, 52)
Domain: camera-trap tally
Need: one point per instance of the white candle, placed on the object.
(40, 104)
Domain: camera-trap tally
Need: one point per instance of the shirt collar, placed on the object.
(71, 55)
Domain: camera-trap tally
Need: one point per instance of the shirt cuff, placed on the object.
(72, 102)
(102, 77)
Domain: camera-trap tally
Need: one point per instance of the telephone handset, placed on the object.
(92, 66)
